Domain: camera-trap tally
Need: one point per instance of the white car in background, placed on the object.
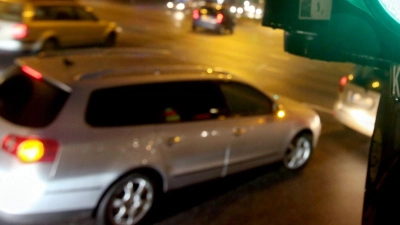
(358, 98)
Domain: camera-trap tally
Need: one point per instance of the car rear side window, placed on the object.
(155, 103)
(11, 11)
(30, 102)
(244, 100)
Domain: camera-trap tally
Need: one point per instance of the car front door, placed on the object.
(195, 133)
(257, 134)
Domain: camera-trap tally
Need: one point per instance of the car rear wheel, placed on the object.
(49, 45)
(298, 152)
(128, 202)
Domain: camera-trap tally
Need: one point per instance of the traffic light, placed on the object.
(359, 31)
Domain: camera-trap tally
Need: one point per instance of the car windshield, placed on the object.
(11, 11)
(28, 101)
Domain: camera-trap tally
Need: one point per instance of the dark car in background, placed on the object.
(214, 17)
(358, 99)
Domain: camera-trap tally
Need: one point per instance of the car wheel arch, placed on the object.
(157, 177)
(306, 132)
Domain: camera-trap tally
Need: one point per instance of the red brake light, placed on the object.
(30, 150)
(220, 17)
(196, 14)
(343, 81)
(31, 72)
(19, 31)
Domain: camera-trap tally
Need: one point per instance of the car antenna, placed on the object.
(68, 62)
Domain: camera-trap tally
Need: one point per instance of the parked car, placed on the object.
(358, 98)
(108, 131)
(214, 17)
(36, 25)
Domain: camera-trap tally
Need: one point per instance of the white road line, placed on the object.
(319, 108)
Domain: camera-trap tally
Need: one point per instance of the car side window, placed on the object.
(154, 103)
(192, 101)
(54, 13)
(244, 100)
(82, 14)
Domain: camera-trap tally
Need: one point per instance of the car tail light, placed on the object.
(220, 17)
(19, 31)
(30, 150)
(31, 72)
(196, 14)
(343, 82)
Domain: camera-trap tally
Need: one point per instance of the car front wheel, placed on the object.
(127, 202)
(110, 40)
(49, 45)
(298, 152)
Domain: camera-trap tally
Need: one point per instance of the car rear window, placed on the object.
(27, 101)
(11, 11)
(365, 76)
(208, 11)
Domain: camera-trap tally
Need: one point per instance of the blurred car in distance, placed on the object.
(107, 131)
(358, 98)
(38, 25)
(215, 17)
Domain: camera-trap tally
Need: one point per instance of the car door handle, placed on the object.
(173, 140)
(237, 131)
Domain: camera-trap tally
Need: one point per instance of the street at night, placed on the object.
(329, 190)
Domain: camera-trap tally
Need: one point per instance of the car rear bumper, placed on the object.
(45, 218)
(207, 25)
(356, 119)
(33, 202)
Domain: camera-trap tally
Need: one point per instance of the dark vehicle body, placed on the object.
(214, 17)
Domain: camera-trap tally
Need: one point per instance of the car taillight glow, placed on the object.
(31, 72)
(220, 17)
(30, 150)
(343, 82)
(19, 31)
(196, 14)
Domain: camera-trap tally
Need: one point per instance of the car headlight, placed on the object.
(170, 5)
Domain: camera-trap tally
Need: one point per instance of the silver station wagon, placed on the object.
(108, 131)
(31, 26)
